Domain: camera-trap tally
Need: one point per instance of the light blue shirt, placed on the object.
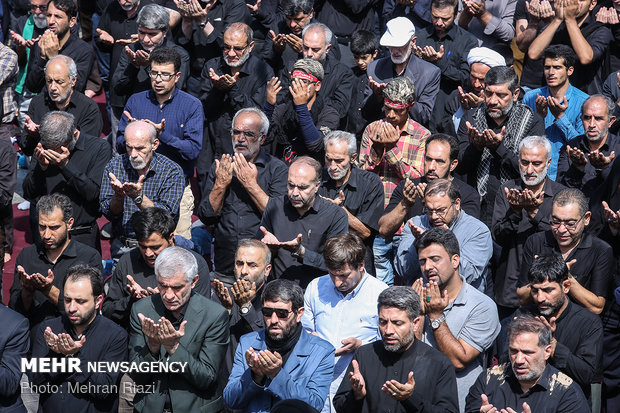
(334, 316)
(559, 131)
(475, 244)
(472, 317)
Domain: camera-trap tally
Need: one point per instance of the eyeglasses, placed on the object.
(34, 7)
(280, 312)
(227, 47)
(570, 225)
(439, 211)
(163, 76)
(247, 134)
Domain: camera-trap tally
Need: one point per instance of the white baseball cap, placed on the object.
(399, 31)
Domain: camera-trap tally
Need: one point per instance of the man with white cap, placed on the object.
(480, 61)
(446, 45)
(400, 39)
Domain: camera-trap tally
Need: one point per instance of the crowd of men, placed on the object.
(314, 206)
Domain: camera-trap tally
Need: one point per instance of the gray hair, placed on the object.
(254, 243)
(402, 298)
(316, 26)
(153, 17)
(57, 128)
(611, 105)
(174, 260)
(66, 60)
(264, 121)
(241, 27)
(142, 124)
(342, 136)
(400, 89)
(48, 203)
(530, 324)
(311, 67)
(530, 142)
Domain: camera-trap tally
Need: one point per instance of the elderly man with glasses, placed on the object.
(442, 208)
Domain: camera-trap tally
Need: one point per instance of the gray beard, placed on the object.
(503, 112)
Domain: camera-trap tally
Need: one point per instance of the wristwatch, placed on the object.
(202, 25)
(245, 309)
(436, 323)
(138, 200)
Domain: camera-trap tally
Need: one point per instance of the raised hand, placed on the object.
(279, 40)
(224, 170)
(377, 88)
(245, 171)
(486, 406)
(243, 293)
(476, 138)
(409, 192)
(105, 37)
(300, 92)
(168, 336)
(253, 7)
(613, 218)
(39, 154)
(599, 161)
(223, 294)
(66, 345)
(274, 87)
(577, 157)
(339, 200)
(349, 345)
(415, 230)
(136, 291)
(556, 107)
(438, 302)
(31, 127)
(131, 189)
(269, 362)
(295, 42)
(541, 105)
(399, 391)
(358, 384)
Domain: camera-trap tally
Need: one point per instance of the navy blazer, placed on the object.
(14, 344)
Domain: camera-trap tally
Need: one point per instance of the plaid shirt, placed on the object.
(163, 184)
(405, 159)
(8, 80)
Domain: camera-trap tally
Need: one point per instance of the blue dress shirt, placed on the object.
(181, 139)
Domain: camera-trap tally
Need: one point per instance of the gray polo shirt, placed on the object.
(473, 317)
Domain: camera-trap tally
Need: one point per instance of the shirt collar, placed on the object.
(352, 181)
(70, 251)
(153, 98)
(71, 329)
(356, 290)
(451, 32)
(262, 158)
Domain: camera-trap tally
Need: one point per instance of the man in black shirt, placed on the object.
(238, 188)
(71, 163)
(40, 269)
(83, 334)
(358, 192)
(489, 137)
(296, 226)
(133, 277)
(585, 160)
(399, 372)
(522, 208)
(244, 299)
(60, 76)
(590, 260)
(528, 383)
(577, 343)
(59, 39)
(338, 80)
(440, 159)
(231, 82)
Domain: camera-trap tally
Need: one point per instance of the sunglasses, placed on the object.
(280, 312)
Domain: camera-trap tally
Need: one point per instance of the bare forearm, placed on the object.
(27, 297)
(450, 346)
(586, 298)
(53, 294)
(485, 18)
(146, 203)
(580, 44)
(357, 225)
(523, 293)
(543, 40)
(526, 37)
(390, 222)
(259, 197)
(465, 19)
(216, 197)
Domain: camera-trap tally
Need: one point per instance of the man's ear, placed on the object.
(353, 158)
(328, 48)
(251, 46)
(565, 286)
(72, 21)
(317, 86)
(570, 70)
(311, 14)
(195, 280)
(516, 94)
(70, 223)
(155, 144)
(453, 164)
(98, 301)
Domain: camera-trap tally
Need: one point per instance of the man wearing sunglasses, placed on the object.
(177, 116)
(589, 259)
(442, 208)
(283, 361)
